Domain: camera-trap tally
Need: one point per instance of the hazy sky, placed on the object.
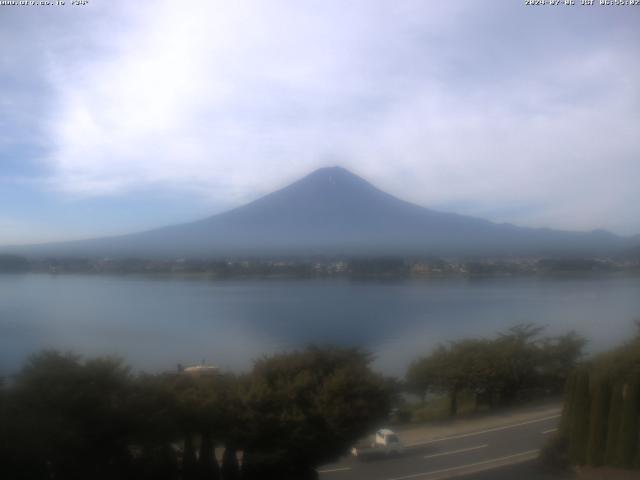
(119, 115)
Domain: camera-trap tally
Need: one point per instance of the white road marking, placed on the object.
(551, 430)
(462, 467)
(496, 429)
(331, 470)
(457, 451)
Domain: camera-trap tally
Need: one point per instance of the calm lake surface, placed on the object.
(155, 323)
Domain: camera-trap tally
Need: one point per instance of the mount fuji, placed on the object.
(334, 212)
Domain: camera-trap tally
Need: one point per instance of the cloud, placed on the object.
(510, 113)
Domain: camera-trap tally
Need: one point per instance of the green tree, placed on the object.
(580, 419)
(601, 395)
(154, 427)
(558, 357)
(519, 350)
(189, 460)
(477, 366)
(518, 362)
(155, 461)
(613, 423)
(567, 406)
(230, 469)
(307, 408)
(72, 416)
(445, 370)
(208, 468)
(628, 433)
(207, 408)
(602, 404)
(422, 376)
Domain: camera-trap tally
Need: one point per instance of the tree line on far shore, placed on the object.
(359, 267)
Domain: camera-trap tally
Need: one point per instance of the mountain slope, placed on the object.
(332, 211)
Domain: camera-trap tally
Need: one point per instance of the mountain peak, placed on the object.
(330, 170)
(335, 177)
(329, 173)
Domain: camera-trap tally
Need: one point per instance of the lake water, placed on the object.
(155, 323)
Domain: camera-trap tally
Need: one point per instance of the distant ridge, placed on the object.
(331, 211)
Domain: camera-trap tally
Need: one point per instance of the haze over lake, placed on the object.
(157, 322)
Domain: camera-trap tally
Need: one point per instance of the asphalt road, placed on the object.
(464, 454)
